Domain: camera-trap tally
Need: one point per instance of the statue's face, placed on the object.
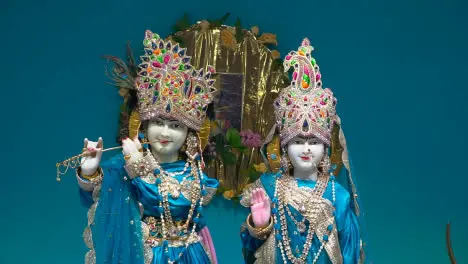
(305, 153)
(166, 136)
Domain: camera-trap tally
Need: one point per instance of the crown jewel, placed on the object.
(168, 86)
(304, 107)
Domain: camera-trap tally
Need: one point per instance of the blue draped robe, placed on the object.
(346, 223)
(116, 226)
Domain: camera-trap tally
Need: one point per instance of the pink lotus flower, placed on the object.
(250, 139)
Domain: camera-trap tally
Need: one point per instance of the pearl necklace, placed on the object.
(198, 191)
(280, 205)
(170, 180)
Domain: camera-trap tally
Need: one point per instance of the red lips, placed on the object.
(305, 158)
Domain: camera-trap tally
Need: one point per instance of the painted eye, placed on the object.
(175, 125)
(158, 122)
(314, 141)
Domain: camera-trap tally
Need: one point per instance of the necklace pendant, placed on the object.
(175, 194)
(302, 209)
(174, 232)
(301, 227)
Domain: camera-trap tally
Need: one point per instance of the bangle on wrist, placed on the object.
(259, 233)
(142, 166)
(90, 177)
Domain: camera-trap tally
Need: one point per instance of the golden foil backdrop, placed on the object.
(263, 78)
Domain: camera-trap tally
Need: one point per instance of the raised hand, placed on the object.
(260, 208)
(131, 149)
(90, 163)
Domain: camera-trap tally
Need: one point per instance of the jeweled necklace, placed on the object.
(280, 206)
(169, 178)
(169, 229)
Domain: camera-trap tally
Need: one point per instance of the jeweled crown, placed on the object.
(169, 87)
(304, 107)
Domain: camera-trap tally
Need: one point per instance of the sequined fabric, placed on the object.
(115, 219)
(94, 187)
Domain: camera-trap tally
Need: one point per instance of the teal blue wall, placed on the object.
(397, 67)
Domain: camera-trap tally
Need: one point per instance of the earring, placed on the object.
(191, 146)
(325, 163)
(184, 147)
(285, 162)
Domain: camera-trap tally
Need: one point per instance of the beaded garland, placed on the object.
(169, 228)
(280, 209)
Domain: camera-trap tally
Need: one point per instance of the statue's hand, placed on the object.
(89, 164)
(260, 208)
(131, 149)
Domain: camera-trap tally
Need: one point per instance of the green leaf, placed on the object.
(253, 174)
(243, 148)
(233, 138)
(277, 64)
(228, 158)
(218, 22)
(179, 40)
(123, 108)
(219, 142)
(236, 201)
(182, 24)
(239, 32)
(221, 189)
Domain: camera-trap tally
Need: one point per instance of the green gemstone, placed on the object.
(313, 61)
(152, 57)
(306, 78)
(156, 93)
(160, 59)
(163, 51)
(283, 120)
(293, 62)
(153, 80)
(187, 82)
(181, 67)
(147, 42)
(176, 90)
